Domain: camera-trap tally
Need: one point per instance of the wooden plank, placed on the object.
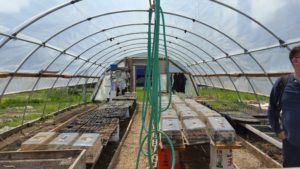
(43, 74)
(268, 161)
(247, 74)
(236, 166)
(264, 136)
(237, 145)
(92, 152)
(69, 159)
(79, 163)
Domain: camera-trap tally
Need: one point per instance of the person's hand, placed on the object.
(281, 135)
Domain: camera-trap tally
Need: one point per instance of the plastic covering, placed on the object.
(205, 37)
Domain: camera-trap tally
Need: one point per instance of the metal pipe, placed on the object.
(168, 46)
(249, 17)
(37, 17)
(173, 52)
(264, 136)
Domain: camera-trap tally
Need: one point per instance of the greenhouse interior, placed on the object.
(123, 84)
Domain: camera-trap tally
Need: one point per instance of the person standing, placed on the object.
(123, 82)
(288, 126)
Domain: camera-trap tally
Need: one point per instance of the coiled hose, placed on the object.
(152, 90)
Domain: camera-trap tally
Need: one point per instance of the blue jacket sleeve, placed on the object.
(272, 116)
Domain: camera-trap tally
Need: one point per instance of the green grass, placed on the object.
(221, 94)
(226, 100)
(13, 105)
(222, 100)
(139, 94)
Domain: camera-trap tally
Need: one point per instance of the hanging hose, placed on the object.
(152, 90)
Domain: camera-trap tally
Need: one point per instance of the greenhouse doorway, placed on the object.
(140, 75)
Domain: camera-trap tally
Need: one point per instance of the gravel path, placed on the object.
(245, 160)
(130, 148)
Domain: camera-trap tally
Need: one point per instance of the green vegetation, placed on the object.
(12, 106)
(222, 94)
(222, 100)
(139, 94)
(227, 100)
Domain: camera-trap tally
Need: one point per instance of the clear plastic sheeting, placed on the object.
(44, 83)
(41, 31)
(169, 114)
(15, 12)
(172, 128)
(270, 58)
(220, 131)
(205, 37)
(163, 82)
(39, 60)
(104, 89)
(194, 131)
(13, 53)
(261, 85)
(189, 88)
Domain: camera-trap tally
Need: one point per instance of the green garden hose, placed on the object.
(152, 90)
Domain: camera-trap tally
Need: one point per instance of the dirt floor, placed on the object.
(269, 149)
(245, 160)
(130, 148)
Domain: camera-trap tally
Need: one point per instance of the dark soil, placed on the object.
(13, 142)
(264, 146)
(110, 149)
(194, 155)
